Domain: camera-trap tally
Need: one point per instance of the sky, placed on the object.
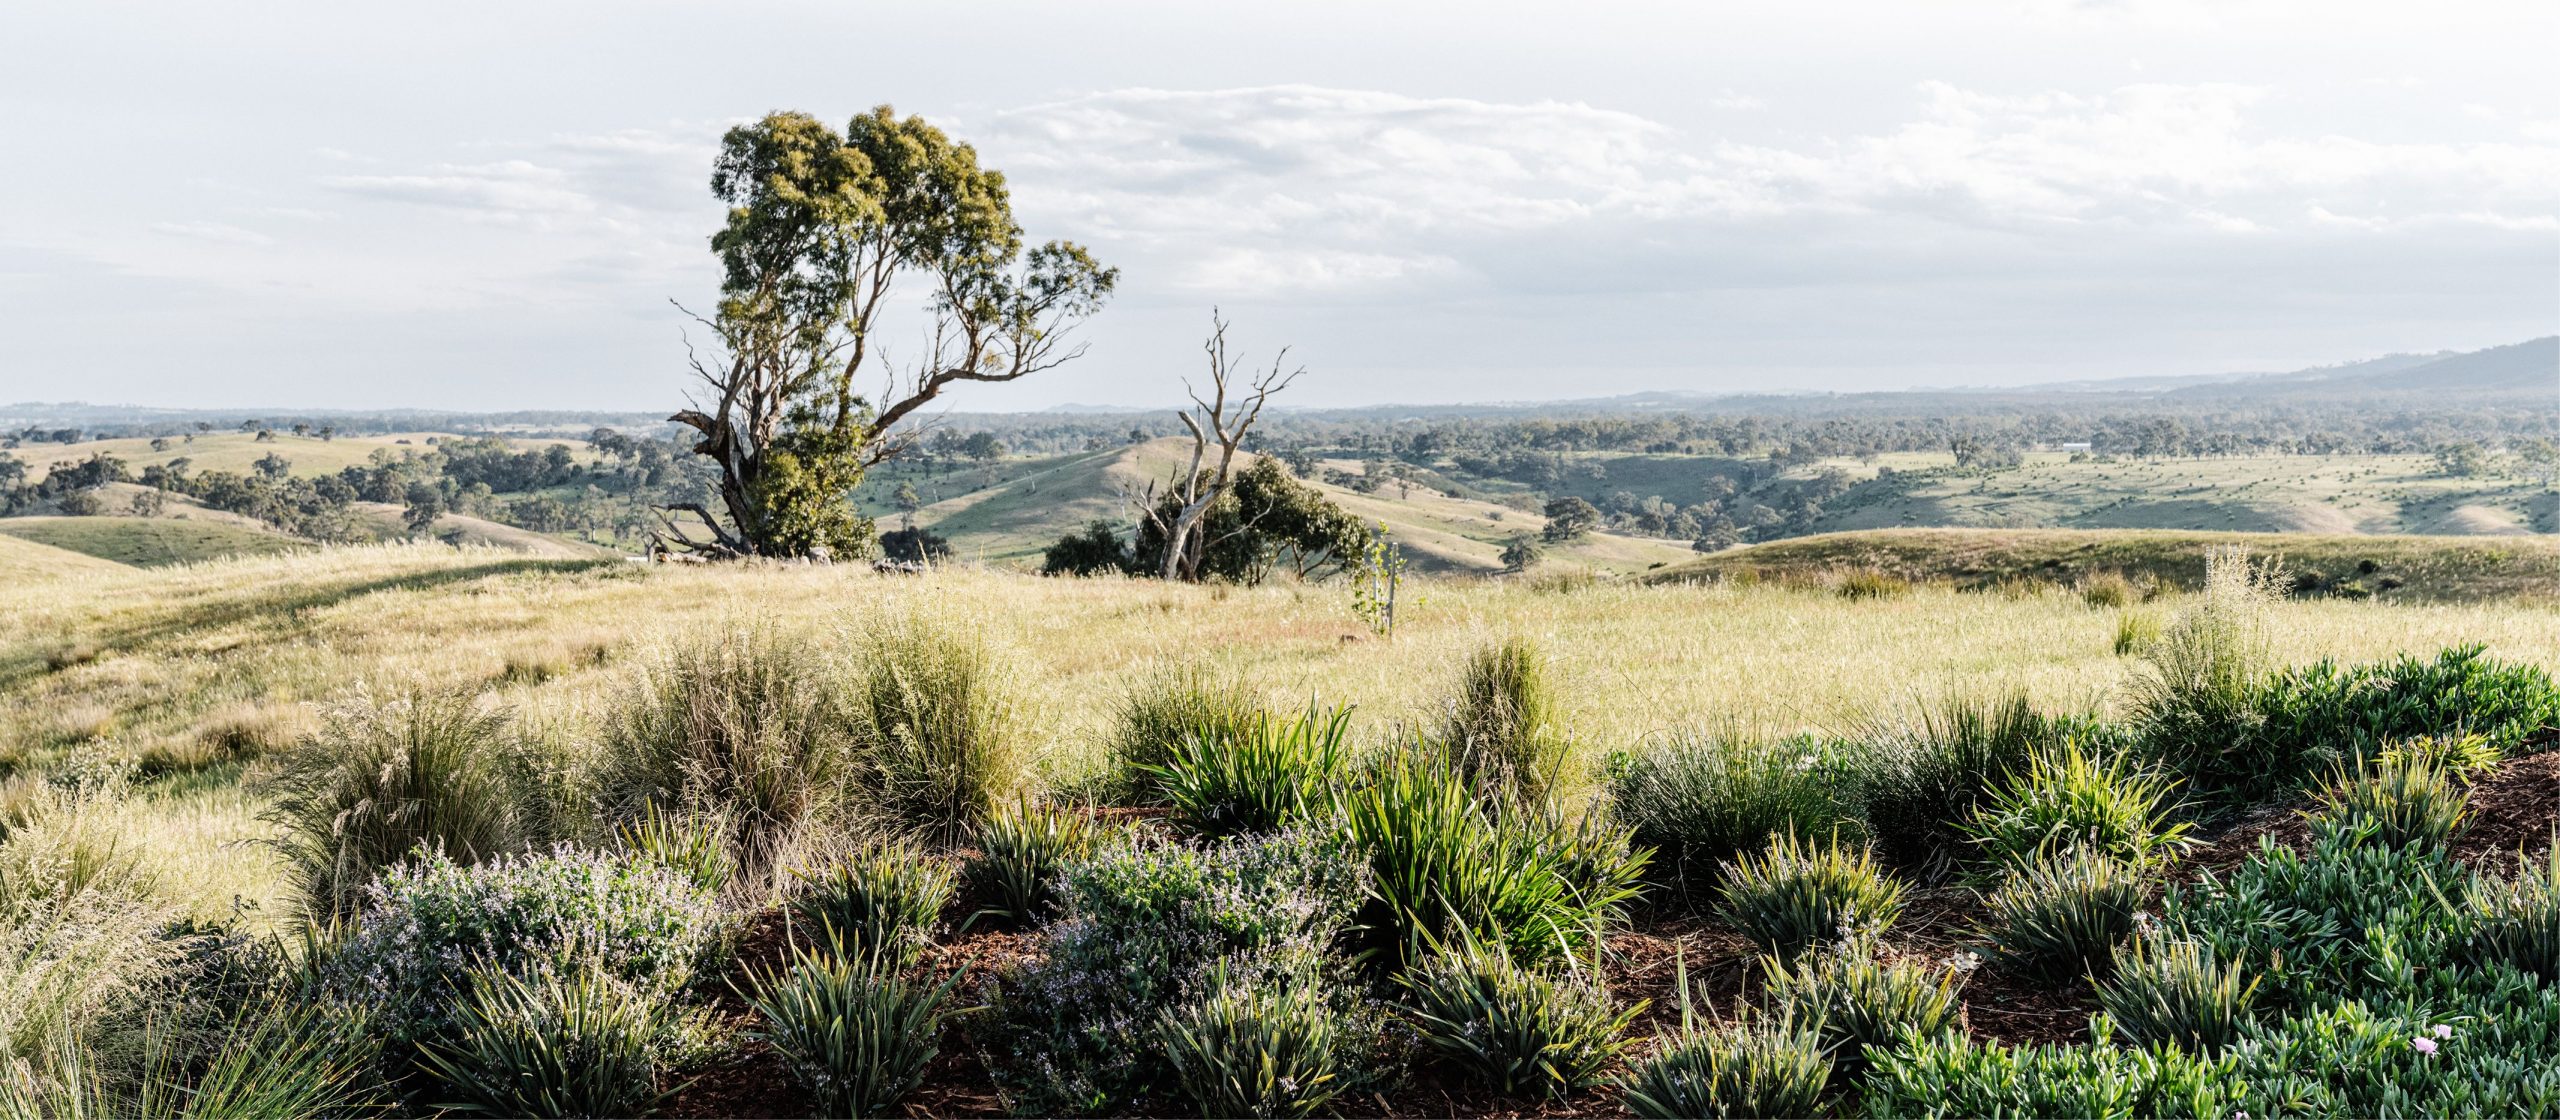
(496, 205)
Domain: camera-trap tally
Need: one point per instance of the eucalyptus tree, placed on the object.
(837, 242)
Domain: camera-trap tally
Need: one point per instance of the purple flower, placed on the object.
(2423, 1045)
(2444, 1030)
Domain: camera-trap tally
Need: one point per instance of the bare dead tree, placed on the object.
(1220, 420)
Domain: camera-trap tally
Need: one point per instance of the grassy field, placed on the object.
(134, 661)
(235, 452)
(150, 541)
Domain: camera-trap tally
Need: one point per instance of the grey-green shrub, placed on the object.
(1175, 706)
(2174, 992)
(2517, 917)
(1761, 1067)
(937, 726)
(381, 780)
(1517, 1030)
(879, 902)
(1856, 1001)
(2062, 916)
(1263, 1051)
(1950, 1075)
(1261, 779)
(1021, 853)
(2394, 801)
(1797, 894)
(2071, 797)
(1698, 801)
(858, 1037)
(1504, 732)
(556, 1044)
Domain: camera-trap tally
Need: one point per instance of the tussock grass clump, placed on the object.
(2176, 993)
(2061, 916)
(1504, 730)
(430, 769)
(1260, 779)
(1021, 853)
(2072, 798)
(2197, 708)
(2109, 590)
(1857, 1001)
(2394, 801)
(1701, 800)
(1262, 1051)
(1799, 894)
(695, 847)
(937, 725)
(2517, 917)
(1519, 1030)
(878, 903)
(1927, 778)
(2136, 632)
(1861, 584)
(1174, 707)
(580, 1044)
(857, 1037)
(1759, 1067)
(80, 919)
(740, 725)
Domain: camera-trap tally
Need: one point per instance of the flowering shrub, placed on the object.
(427, 925)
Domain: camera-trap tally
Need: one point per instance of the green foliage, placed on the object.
(580, 1044)
(1569, 518)
(2326, 715)
(1924, 781)
(1171, 708)
(2071, 798)
(430, 769)
(1799, 894)
(879, 903)
(2061, 916)
(1264, 518)
(1377, 578)
(1095, 551)
(1858, 584)
(937, 726)
(2517, 918)
(740, 726)
(1758, 1068)
(2344, 919)
(1442, 866)
(1022, 852)
(1503, 734)
(2492, 1057)
(2136, 632)
(1699, 801)
(2402, 800)
(856, 1036)
(287, 1059)
(1263, 1052)
(1515, 1029)
(2175, 993)
(1521, 553)
(1856, 1001)
(2198, 710)
(1263, 779)
(696, 848)
(1948, 1075)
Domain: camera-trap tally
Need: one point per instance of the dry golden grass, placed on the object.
(233, 650)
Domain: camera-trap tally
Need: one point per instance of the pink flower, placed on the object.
(2424, 1045)
(2444, 1030)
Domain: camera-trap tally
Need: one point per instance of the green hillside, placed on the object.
(2429, 568)
(24, 562)
(149, 541)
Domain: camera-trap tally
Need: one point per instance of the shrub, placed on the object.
(1869, 583)
(1925, 780)
(879, 903)
(2136, 632)
(1515, 1029)
(1021, 853)
(1176, 707)
(379, 781)
(858, 1037)
(428, 925)
(1855, 1001)
(1255, 1051)
(1799, 894)
(1760, 1067)
(2072, 798)
(1098, 550)
(2197, 710)
(1440, 863)
(1950, 1075)
(1261, 779)
(1700, 801)
(2404, 800)
(1503, 734)
(2061, 916)
(2340, 919)
(2175, 993)
(937, 727)
(555, 1045)
(2109, 589)
(2518, 917)
(739, 726)
(2325, 716)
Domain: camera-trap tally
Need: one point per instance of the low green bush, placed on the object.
(1504, 733)
(1926, 779)
(855, 1035)
(936, 724)
(879, 902)
(1517, 1030)
(2061, 917)
(1021, 853)
(1856, 1001)
(2072, 798)
(1261, 779)
(1175, 706)
(2327, 715)
(1798, 894)
(2175, 993)
(2404, 799)
(553, 1045)
(1758, 1068)
(2339, 919)
(2516, 919)
(1263, 1052)
(1700, 801)
(1948, 1075)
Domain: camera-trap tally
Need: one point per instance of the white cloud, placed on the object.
(218, 232)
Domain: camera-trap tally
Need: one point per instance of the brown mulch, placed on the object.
(2515, 806)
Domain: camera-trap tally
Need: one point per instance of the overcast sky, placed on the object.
(467, 205)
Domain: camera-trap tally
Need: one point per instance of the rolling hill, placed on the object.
(149, 542)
